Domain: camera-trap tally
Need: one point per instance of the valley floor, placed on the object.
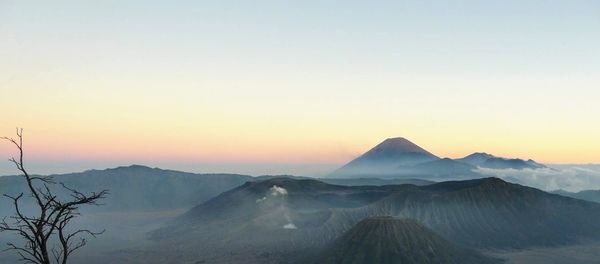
(124, 230)
(575, 254)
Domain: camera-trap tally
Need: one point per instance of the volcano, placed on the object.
(389, 240)
(283, 220)
(385, 159)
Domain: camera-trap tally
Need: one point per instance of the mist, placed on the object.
(572, 178)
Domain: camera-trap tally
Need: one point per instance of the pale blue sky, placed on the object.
(420, 36)
(300, 82)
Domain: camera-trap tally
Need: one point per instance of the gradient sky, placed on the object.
(279, 87)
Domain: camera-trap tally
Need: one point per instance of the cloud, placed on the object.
(572, 178)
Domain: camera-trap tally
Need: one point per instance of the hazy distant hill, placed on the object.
(135, 187)
(352, 181)
(588, 195)
(445, 168)
(485, 160)
(476, 159)
(374, 181)
(141, 197)
(502, 163)
(386, 240)
(141, 188)
(282, 219)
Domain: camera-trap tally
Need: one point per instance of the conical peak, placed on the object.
(399, 145)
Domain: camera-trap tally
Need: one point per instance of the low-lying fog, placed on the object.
(572, 178)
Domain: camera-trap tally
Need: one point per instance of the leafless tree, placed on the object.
(46, 233)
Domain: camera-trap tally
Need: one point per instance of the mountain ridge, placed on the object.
(400, 158)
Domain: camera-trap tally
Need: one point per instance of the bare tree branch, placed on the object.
(46, 235)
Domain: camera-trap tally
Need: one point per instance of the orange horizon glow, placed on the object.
(69, 145)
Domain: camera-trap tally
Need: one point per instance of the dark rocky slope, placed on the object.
(386, 240)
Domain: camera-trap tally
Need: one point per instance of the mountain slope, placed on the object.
(298, 195)
(443, 168)
(283, 219)
(374, 181)
(351, 181)
(489, 213)
(387, 240)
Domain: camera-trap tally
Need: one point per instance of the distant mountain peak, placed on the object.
(481, 154)
(399, 145)
(385, 158)
(398, 157)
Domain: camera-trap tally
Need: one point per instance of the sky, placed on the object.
(276, 87)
